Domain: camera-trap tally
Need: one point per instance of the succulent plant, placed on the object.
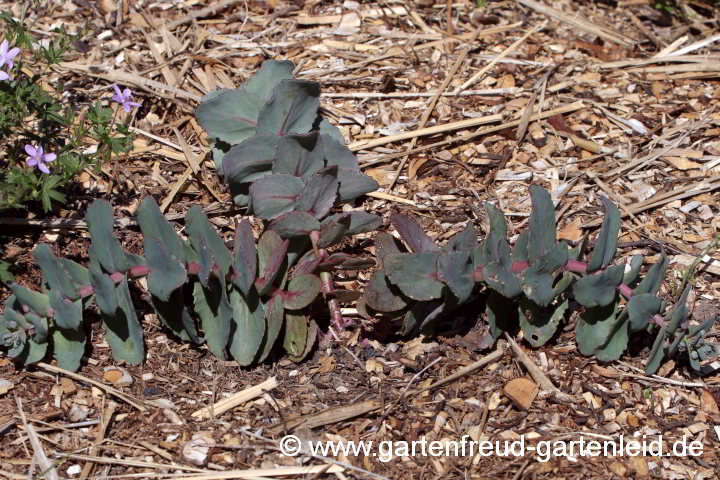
(291, 167)
(242, 302)
(276, 152)
(537, 279)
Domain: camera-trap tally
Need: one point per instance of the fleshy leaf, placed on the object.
(641, 309)
(123, 331)
(333, 230)
(599, 289)
(215, 312)
(383, 296)
(274, 319)
(301, 291)
(336, 153)
(294, 224)
(271, 73)
(69, 348)
(250, 160)
(203, 236)
(542, 224)
(229, 114)
(248, 326)
(606, 243)
(636, 263)
(154, 224)
(538, 279)
(415, 274)
(464, 241)
(360, 222)
(296, 335)
(538, 327)
(499, 310)
(105, 292)
(36, 301)
(354, 185)
(654, 277)
(680, 311)
(273, 195)
(68, 313)
(271, 256)
(175, 315)
(54, 273)
(245, 265)
(109, 252)
(291, 109)
(167, 273)
(386, 244)
(456, 269)
(413, 235)
(600, 332)
(299, 155)
(319, 193)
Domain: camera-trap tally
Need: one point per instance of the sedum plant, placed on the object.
(274, 149)
(537, 279)
(240, 303)
(290, 167)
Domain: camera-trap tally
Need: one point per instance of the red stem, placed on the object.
(327, 283)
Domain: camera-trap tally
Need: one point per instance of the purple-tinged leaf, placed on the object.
(274, 319)
(229, 114)
(247, 329)
(606, 242)
(275, 194)
(383, 296)
(245, 265)
(354, 185)
(542, 223)
(272, 252)
(336, 153)
(294, 224)
(291, 109)
(415, 274)
(333, 230)
(319, 194)
(250, 160)
(308, 263)
(110, 253)
(413, 235)
(270, 74)
(301, 291)
(299, 155)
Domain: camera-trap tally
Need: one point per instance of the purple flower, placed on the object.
(124, 97)
(7, 56)
(39, 158)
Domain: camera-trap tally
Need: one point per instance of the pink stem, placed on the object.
(327, 283)
(575, 266)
